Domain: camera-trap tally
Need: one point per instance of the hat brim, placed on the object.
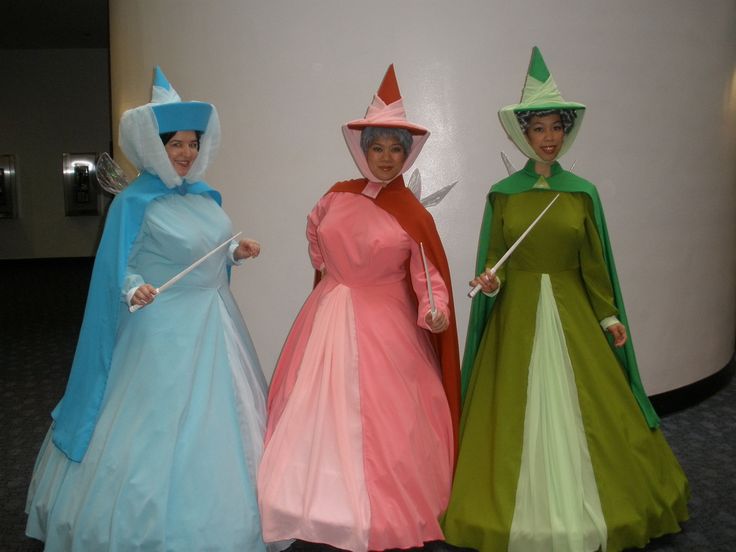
(360, 124)
(175, 116)
(516, 108)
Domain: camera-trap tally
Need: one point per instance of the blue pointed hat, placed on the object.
(171, 113)
(160, 81)
(141, 128)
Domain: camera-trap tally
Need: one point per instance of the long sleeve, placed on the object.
(419, 283)
(133, 279)
(593, 268)
(313, 220)
(497, 244)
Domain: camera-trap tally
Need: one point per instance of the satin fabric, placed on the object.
(560, 181)
(557, 506)
(501, 502)
(399, 202)
(359, 444)
(171, 463)
(76, 414)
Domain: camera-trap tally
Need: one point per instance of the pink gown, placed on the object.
(359, 444)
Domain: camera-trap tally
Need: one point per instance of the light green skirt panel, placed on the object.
(574, 419)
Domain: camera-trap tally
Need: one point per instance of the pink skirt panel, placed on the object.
(311, 483)
(359, 440)
(407, 429)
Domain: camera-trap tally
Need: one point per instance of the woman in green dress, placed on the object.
(560, 449)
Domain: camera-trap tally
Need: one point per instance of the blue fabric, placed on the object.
(76, 414)
(175, 116)
(159, 79)
(172, 463)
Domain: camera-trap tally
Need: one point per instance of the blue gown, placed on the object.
(172, 461)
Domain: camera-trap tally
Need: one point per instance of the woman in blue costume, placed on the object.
(156, 442)
(560, 449)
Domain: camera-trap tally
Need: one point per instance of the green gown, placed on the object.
(559, 450)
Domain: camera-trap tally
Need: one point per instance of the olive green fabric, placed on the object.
(562, 501)
(560, 181)
(642, 489)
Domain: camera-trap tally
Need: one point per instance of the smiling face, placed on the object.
(545, 135)
(385, 157)
(182, 149)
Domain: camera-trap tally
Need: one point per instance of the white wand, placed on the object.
(187, 270)
(473, 292)
(432, 308)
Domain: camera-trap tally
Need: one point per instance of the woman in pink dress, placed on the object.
(363, 406)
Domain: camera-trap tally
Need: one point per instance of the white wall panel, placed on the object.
(658, 138)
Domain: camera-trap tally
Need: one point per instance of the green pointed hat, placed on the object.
(540, 93)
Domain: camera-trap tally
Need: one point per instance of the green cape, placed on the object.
(562, 181)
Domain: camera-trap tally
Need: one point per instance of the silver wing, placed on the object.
(110, 175)
(415, 184)
(509, 166)
(433, 199)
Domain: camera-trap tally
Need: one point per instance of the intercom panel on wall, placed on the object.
(8, 194)
(82, 194)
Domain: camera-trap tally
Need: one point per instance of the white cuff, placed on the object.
(609, 321)
(129, 295)
(495, 291)
(231, 252)
(422, 323)
(130, 285)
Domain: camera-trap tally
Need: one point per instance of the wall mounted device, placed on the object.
(82, 194)
(8, 193)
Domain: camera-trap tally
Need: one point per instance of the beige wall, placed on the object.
(658, 139)
(51, 102)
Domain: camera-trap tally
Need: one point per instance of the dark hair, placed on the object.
(166, 136)
(372, 133)
(567, 116)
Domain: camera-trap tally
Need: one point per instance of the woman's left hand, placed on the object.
(246, 249)
(437, 323)
(618, 331)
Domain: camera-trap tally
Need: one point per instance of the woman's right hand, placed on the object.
(143, 295)
(487, 280)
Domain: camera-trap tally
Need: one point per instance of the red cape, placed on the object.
(399, 202)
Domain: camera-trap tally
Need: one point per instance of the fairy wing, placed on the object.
(110, 175)
(415, 184)
(433, 199)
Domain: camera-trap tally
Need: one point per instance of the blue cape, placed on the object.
(76, 414)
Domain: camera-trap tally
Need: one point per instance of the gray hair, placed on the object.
(567, 116)
(372, 133)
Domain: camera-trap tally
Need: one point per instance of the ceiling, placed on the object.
(49, 24)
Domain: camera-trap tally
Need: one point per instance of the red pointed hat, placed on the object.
(387, 108)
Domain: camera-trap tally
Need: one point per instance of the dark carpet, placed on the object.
(40, 314)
